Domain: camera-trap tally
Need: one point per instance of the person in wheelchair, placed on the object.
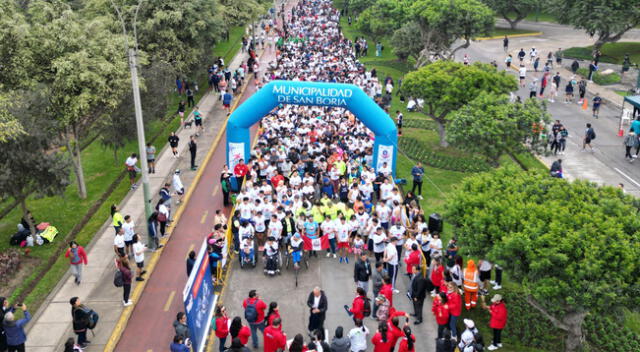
(271, 254)
(247, 252)
(295, 248)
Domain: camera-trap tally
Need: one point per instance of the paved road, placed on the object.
(150, 326)
(336, 279)
(607, 164)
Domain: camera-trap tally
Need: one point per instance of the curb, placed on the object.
(532, 34)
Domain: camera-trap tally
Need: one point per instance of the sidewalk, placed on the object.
(51, 324)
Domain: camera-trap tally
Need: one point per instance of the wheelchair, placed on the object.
(272, 264)
(247, 259)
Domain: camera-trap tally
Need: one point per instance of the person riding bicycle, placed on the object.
(271, 254)
(246, 249)
(296, 246)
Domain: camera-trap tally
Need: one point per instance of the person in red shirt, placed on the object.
(437, 274)
(237, 330)
(273, 313)
(254, 309)
(413, 259)
(393, 325)
(77, 256)
(498, 321)
(440, 310)
(357, 307)
(274, 338)
(387, 290)
(454, 300)
(222, 325)
(275, 180)
(408, 343)
(240, 171)
(381, 340)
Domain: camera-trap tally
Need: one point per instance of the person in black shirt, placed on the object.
(173, 143)
(193, 147)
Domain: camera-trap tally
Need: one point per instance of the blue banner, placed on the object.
(199, 300)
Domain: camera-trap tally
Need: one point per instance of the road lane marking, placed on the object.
(204, 216)
(169, 300)
(215, 190)
(627, 177)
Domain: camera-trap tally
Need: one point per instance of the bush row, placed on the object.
(418, 151)
(604, 334)
(420, 123)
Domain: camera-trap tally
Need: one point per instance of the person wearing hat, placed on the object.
(467, 339)
(178, 186)
(498, 311)
(470, 284)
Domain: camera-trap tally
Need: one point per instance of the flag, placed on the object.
(315, 243)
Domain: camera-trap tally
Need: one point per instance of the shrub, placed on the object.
(605, 334)
(9, 264)
(599, 79)
(418, 151)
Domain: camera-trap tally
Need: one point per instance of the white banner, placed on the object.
(385, 155)
(236, 152)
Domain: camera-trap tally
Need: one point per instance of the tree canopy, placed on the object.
(572, 245)
(606, 20)
(493, 126)
(513, 11)
(446, 86)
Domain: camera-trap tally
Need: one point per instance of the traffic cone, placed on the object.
(620, 132)
(585, 104)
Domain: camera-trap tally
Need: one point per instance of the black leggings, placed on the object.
(163, 227)
(126, 289)
(497, 334)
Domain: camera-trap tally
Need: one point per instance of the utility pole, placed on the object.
(142, 144)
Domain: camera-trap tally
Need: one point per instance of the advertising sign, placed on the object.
(199, 300)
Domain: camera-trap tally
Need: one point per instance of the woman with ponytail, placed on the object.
(408, 342)
(381, 340)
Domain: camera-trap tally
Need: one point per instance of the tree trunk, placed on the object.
(571, 323)
(442, 133)
(74, 150)
(25, 215)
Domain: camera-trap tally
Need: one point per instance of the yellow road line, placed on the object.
(215, 190)
(169, 300)
(204, 217)
(189, 251)
(137, 291)
(532, 34)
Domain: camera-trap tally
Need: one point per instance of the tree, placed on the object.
(10, 127)
(442, 22)
(382, 18)
(607, 20)
(492, 126)
(513, 11)
(404, 42)
(30, 164)
(572, 245)
(356, 7)
(446, 86)
(84, 70)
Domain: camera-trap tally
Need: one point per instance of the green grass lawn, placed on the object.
(101, 170)
(601, 79)
(611, 52)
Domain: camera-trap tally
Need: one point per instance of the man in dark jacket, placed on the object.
(419, 287)
(180, 325)
(317, 303)
(80, 316)
(362, 272)
(14, 330)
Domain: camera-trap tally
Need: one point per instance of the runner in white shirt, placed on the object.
(384, 214)
(358, 337)
(129, 231)
(118, 243)
(246, 209)
(275, 227)
(398, 232)
(138, 255)
(378, 238)
(391, 260)
(342, 235)
(328, 229)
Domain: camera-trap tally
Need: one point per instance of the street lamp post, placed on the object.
(133, 67)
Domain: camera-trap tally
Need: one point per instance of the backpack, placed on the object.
(92, 317)
(251, 312)
(367, 307)
(118, 280)
(592, 134)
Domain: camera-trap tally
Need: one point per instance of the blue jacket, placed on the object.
(15, 330)
(178, 347)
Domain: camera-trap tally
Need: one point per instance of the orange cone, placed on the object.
(585, 104)
(620, 132)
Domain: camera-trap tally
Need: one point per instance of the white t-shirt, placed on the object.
(378, 242)
(328, 228)
(260, 224)
(342, 231)
(398, 232)
(138, 252)
(246, 210)
(384, 213)
(131, 162)
(358, 338)
(275, 229)
(385, 190)
(128, 230)
(118, 241)
(522, 71)
(391, 253)
(485, 265)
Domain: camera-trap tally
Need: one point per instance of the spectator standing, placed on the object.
(470, 283)
(118, 244)
(132, 169)
(377, 282)
(221, 325)
(318, 304)
(362, 272)
(151, 158)
(417, 172)
(4, 309)
(239, 332)
(178, 345)
(138, 256)
(340, 343)
(129, 231)
(391, 260)
(381, 340)
(589, 135)
(357, 309)
(80, 318)
(498, 311)
(455, 307)
(197, 119)
(14, 330)
(193, 148)
(226, 101)
(505, 44)
(408, 342)
(125, 269)
(254, 309)
(225, 185)
(419, 286)
(630, 141)
(77, 257)
(191, 261)
(274, 338)
(180, 326)
(177, 185)
(152, 226)
(358, 337)
(440, 310)
(597, 101)
(575, 66)
(118, 219)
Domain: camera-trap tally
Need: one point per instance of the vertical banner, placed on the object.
(199, 300)
(236, 152)
(385, 155)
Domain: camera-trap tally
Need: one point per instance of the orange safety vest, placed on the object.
(470, 282)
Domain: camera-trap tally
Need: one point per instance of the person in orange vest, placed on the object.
(470, 284)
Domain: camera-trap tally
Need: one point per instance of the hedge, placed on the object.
(417, 150)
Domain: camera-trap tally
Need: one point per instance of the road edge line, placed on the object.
(532, 34)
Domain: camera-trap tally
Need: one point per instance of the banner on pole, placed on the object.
(199, 300)
(236, 152)
(385, 155)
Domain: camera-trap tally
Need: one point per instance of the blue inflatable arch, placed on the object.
(346, 96)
